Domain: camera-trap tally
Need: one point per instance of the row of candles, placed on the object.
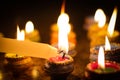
(100, 68)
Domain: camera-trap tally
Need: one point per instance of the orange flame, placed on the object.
(20, 34)
(101, 58)
(63, 7)
(111, 25)
(107, 44)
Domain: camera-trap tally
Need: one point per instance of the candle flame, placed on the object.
(111, 25)
(63, 7)
(101, 58)
(107, 44)
(20, 34)
(29, 27)
(100, 17)
(63, 24)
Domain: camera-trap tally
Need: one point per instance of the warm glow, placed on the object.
(100, 17)
(101, 58)
(29, 27)
(107, 44)
(111, 25)
(63, 26)
(20, 34)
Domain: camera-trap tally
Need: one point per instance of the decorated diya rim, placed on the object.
(94, 65)
(12, 59)
(17, 59)
(116, 48)
(66, 60)
(112, 55)
(59, 68)
(112, 71)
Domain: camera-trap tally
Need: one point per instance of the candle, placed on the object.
(61, 66)
(63, 28)
(97, 33)
(31, 33)
(111, 51)
(18, 63)
(58, 67)
(101, 69)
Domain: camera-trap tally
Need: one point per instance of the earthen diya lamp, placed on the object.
(96, 71)
(59, 67)
(111, 72)
(18, 63)
(112, 55)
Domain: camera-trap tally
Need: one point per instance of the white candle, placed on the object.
(27, 48)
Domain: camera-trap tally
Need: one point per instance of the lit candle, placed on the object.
(97, 35)
(55, 29)
(111, 32)
(61, 66)
(101, 69)
(31, 33)
(100, 18)
(111, 51)
(95, 29)
(63, 28)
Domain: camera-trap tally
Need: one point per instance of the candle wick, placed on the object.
(63, 55)
(62, 52)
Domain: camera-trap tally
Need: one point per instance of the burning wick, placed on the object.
(62, 52)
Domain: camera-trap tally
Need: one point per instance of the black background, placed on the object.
(44, 13)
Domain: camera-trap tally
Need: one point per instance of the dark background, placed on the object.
(44, 13)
